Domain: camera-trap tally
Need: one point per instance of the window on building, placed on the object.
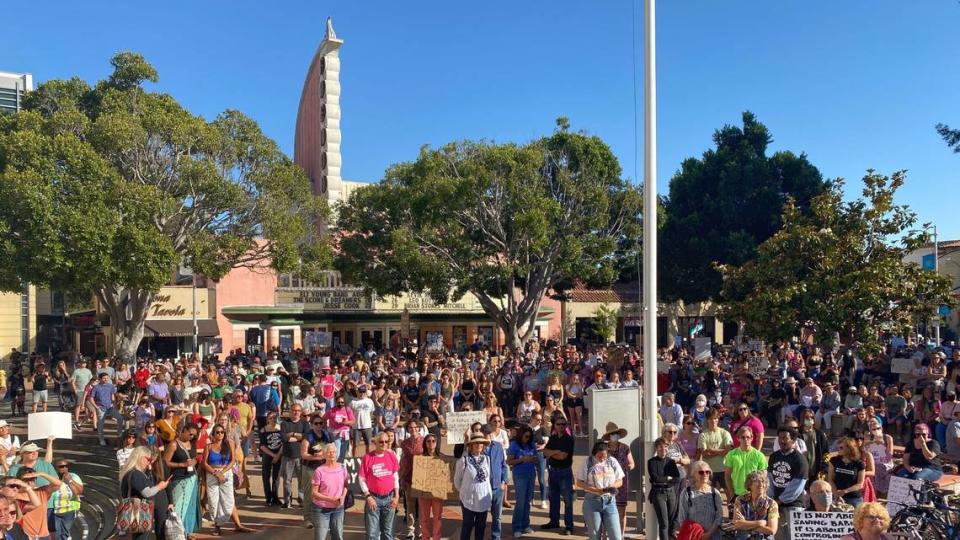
(57, 301)
(283, 280)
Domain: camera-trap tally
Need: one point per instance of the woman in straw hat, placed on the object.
(619, 451)
(472, 480)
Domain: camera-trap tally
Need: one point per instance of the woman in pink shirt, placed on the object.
(329, 493)
(742, 416)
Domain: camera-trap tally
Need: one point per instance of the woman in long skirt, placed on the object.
(180, 458)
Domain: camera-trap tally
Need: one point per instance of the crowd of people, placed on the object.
(747, 436)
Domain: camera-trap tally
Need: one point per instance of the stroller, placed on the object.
(66, 396)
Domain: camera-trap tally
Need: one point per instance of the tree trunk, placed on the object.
(128, 308)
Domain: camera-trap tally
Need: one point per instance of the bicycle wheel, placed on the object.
(917, 524)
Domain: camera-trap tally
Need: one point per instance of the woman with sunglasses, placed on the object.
(180, 459)
(880, 447)
(921, 456)
(65, 501)
(700, 502)
(431, 508)
(689, 435)
(744, 417)
(127, 443)
(219, 460)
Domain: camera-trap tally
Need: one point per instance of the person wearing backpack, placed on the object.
(700, 503)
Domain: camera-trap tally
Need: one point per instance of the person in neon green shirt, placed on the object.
(740, 462)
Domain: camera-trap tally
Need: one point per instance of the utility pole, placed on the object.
(936, 270)
(649, 405)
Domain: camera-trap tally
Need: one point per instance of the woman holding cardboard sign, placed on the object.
(431, 508)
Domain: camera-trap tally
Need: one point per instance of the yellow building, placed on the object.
(18, 325)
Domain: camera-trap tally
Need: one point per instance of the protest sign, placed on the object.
(324, 339)
(459, 422)
(820, 525)
(352, 465)
(432, 477)
(899, 495)
(434, 342)
(901, 365)
(759, 366)
(663, 367)
(620, 406)
(701, 348)
(44, 424)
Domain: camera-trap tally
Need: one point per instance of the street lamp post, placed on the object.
(649, 405)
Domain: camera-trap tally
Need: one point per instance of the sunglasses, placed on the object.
(689, 423)
(704, 473)
(670, 431)
(64, 466)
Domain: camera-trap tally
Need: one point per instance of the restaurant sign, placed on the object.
(326, 298)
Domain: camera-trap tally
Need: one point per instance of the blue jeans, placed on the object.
(496, 509)
(542, 476)
(63, 523)
(922, 474)
(561, 485)
(379, 522)
(102, 415)
(327, 520)
(524, 492)
(941, 434)
(342, 446)
(601, 509)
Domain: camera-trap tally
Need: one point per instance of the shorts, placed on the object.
(40, 396)
(363, 433)
(573, 403)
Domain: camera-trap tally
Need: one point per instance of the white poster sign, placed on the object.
(820, 525)
(434, 342)
(899, 495)
(701, 347)
(44, 424)
(459, 422)
(901, 365)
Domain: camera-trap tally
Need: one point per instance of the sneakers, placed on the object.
(548, 526)
(544, 505)
(103, 443)
(567, 532)
(528, 530)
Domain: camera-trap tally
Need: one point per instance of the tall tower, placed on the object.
(317, 138)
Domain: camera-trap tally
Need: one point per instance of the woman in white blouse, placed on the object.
(600, 477)
(472, 480)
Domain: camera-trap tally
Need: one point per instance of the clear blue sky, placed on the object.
(855, 85)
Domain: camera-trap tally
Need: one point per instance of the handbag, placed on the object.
(349, 500)
(134, 515)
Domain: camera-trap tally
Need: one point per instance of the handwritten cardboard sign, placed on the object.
(432, 477)
(459, 422)
(44, 424)
(899, 495)
(820, 525)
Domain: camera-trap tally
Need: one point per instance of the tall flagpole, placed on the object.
(649, 248)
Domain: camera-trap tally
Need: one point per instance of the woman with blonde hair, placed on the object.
(137, 479)
(870, 522)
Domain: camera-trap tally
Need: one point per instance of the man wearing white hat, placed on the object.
(9, 444)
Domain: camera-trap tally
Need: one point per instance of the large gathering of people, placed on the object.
(748, 434)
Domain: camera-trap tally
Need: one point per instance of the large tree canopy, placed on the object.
(837, 270)
(106, 190)
(502, 221)
(722, 206)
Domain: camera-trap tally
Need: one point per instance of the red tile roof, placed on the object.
(618, 293)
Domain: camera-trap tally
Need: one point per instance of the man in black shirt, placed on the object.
(787, 471)
(294, 430)
(559, 454)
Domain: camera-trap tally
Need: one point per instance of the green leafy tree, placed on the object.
(838, 269)
(950, 136)
(502, 221)
(722, 206)
(605, 322)
(106, 190)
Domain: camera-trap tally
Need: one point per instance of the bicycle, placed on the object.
(932, 518)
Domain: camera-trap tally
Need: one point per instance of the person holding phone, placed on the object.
(136, 479)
